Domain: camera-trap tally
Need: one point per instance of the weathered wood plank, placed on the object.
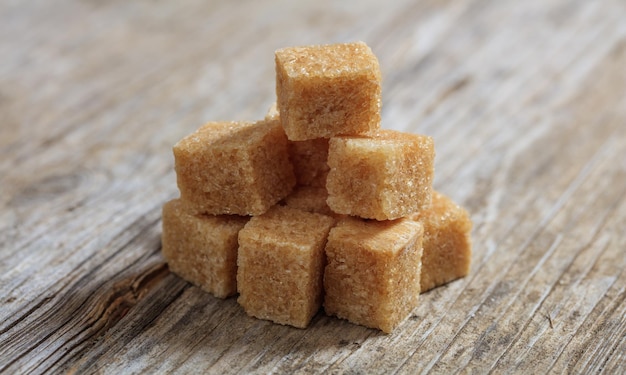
(527, 105)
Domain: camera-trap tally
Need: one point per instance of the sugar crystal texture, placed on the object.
(372, 275)
(447, 242)
(326, 90)
(234, 167)
(385, 176)
(272, 112)
(309, 158)
(309, 199)
(280, 265)
(202, 249)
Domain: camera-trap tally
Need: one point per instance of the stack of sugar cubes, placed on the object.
(315, 205)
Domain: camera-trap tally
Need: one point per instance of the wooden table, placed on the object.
(526, 101)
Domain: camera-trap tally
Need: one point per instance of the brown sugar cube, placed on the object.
(372, 277)
(384, 176)
(234, 167)
(308, 157)
(281, 261)
(447, 242)
(202, 249)
(309, 199)
(326, 90)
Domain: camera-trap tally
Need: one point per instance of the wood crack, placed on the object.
(124, 296)
(115, 253)
(86, 364)
(117, 303)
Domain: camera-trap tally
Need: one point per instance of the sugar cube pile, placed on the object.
(315, 205)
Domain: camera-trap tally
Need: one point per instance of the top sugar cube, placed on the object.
(328, 90)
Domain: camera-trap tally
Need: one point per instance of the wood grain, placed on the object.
(526, 102)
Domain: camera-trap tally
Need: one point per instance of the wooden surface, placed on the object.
(526, 101)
